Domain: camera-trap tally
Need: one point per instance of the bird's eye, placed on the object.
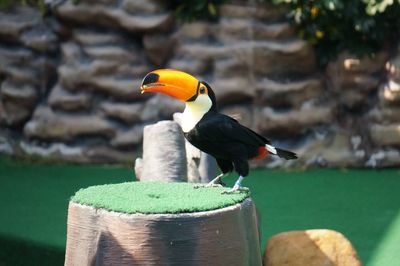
(202, 90)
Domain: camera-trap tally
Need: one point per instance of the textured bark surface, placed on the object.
(164, 154)
(226, 236)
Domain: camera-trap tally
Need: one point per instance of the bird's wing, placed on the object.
(222, 128)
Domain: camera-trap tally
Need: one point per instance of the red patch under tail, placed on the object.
(261, 153)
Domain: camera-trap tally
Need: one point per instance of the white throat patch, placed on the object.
(194, 111)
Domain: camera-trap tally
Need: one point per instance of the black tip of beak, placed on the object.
(150, 78)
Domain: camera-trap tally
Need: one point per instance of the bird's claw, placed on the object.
(234, 189)
(216, 182)
(207, 185)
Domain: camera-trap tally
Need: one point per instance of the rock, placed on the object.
(16, 65)
(158, 47)
(55, 152)
(272, 58)
(295, 121)
(41, 39)
(310, 247)
(7, 144)
(21, 68)
(111, 53)
(266, 12)
(128, 138)
(353, 79)
(161, 106)
(61, 99)
(293, 94)
(18, 103)
(114, 70)
(128, 113)
(188, 65)
(71, 52)
(393, 67)
(168, 106)
(237, 67)
(105, 154)
(353, 89)
(21, 75)
(353, 99)
(113, 16)
(15, 114)
(87, 37)
(385, 135)
(230, 30)
(47, 125)
(20, 19)
(14, 56)
(194, 31)
(384, 115)
(2, 114)
(151, 111)
(143, 7)
(350, 64)
(361, 82)
(232, 90)
(201, 51)
(242, 113)
(384, 158)
(281, 58)
(25, 95)
(389, 94)
(164, 155)
(72, 75)
(62, 152)
(335, 148)
(85, 77)
(280, 30)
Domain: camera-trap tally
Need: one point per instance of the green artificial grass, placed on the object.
(156, 197)
(362, 204)
(34, 202)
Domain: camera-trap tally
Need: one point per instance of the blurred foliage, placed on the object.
(8, 4)
(362, 27)
(189, 11)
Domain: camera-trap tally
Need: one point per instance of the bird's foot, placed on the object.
(208, 185)
(236, 188)
(216, 182)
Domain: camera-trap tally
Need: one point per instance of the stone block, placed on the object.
(310, 247)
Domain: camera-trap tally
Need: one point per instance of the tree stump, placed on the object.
(169, 157)
(164, 154)
(154, 223)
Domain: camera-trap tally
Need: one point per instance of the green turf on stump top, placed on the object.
(156, 197)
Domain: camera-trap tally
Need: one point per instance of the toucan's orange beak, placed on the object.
(174, 83)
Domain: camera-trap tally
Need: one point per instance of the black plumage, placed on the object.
(231, 143)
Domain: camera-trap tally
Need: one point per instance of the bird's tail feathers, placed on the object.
(288, 155)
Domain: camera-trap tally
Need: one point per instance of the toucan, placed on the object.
(219, 135)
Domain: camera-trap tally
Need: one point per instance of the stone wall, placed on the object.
(70, 83)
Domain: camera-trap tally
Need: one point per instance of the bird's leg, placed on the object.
(236, 187)
(213, 183)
